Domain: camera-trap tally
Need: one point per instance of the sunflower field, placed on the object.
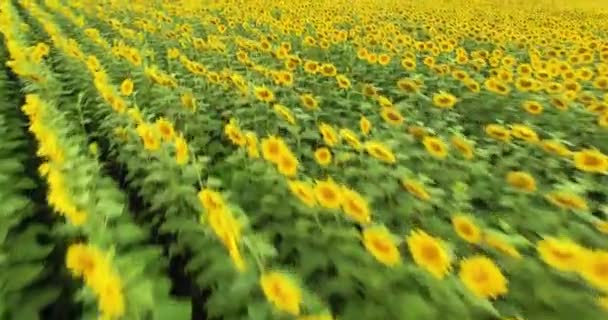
(307, 160)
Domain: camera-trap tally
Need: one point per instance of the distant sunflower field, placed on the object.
(307, 160)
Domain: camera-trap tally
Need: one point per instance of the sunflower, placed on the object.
(328, 194)
(83, 260)
(343, 81)
(188, 101)
(323, 156)
(252, 144)
(435, 147)
(329, 135)
(380, 243)
(444, 100)
(303, 191)
(380, 151)
(408, 64)
(285, 78)
(362, 53)
(595, 269)
(602, 120)
(384, 102)
(591, 160)
(524, 84)
(263, 94)
(563, 255)
(355, 206)
(284, 113)
(181, 150)
(559, 103)
(555, 147)
(500, 244)
(429, 253)
(287, 163)
(409, 85)
(281, 291)
(211, 200)
(311, 67)
(235, 135)
(272, 148)
(466, 229)
(126, 87)
(521, 181)
(483, 277)
(463, 146)
(391, 116)
(416, 189)
(417, 132)
(498, 132)
(148, 135)
(472, 85)
(351, 138)
(369, 90)
(567, 200)
(309, 101)
(365, 125)
(328, 70)
(533, 107)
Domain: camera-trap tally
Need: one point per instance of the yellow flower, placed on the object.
(343, 81)
(236, 136)
(603, 302)
(126, 87)
(498, 132)
(498, 243)
(329, 135)
(408, 64)
(379, 151)
(521, 180)
(165, 127)
(355, 206)
(181, 150)
(555, 147)
(483, 277)
(211, 200)
(287, 164)
(281, 292)
(83, 260)
(391, 115)
(188, 101)
(591, 160)
(409, 85)
(524, 132)
(466, 229)
(252, 144)
(416, 189)
(311, 67)
(429, 253)
(351, 138)
(563, 255)
(379, 242)
(435, 147)
(567, 200)
(533, 107)
(303, 191)
(602, 226)
(263, 94)
(111, 299)
(323, 156)
(365, 125)
(328, 194)
(384, 59)
(272, 148)
(444, 100)
(602, 120)
(384, 102)
(328, 70)
(284, 112)
(463, 146)
(149, 137)
(595, 269)
(309, 101)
